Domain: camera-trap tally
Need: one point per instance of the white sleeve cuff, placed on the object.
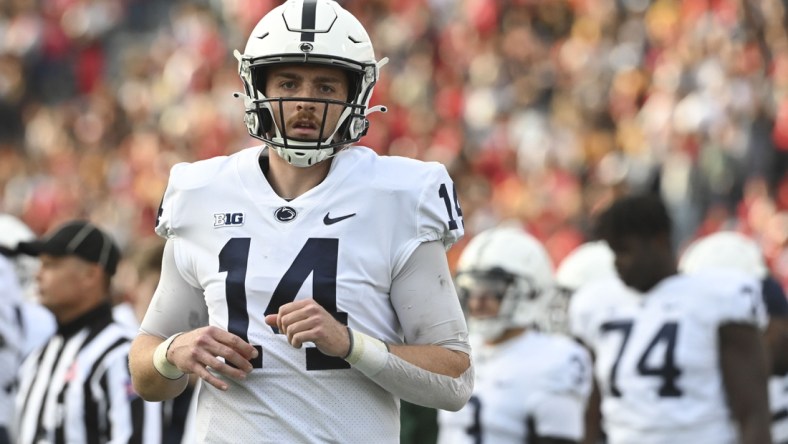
(367, 354)
(162, 364)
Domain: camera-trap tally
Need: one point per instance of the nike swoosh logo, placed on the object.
(328, 220)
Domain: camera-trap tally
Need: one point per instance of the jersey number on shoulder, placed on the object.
(443, 193)
(318, 257)
(668, 371)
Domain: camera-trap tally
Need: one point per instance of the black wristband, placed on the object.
(350, 337)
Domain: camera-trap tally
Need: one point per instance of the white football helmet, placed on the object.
(588, 262)
(12, 232)
(317, 32)
(512, 265)
(724, 249)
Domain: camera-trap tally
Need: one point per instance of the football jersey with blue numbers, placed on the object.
(249, 251)
(657, 354)
(533, 385)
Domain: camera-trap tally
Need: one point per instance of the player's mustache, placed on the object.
(306, 116)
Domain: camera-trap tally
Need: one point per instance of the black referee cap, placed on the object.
(78, 238)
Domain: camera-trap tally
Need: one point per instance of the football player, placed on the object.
(530, 386)
(11, 333)
(24, 323)
(588, 262)
(321, 266)
(732, 250)
(678, 358)
(35, 321)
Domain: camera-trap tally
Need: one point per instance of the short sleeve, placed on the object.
(573, 373)
(739, 300)
(439, 215)
(560, 409)
(580, 314)
(429, 208)
(165, 220)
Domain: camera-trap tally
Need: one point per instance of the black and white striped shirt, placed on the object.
(77, 388)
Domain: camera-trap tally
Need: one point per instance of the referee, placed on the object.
(76, 388)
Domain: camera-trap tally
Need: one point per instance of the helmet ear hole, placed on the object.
(365, 126)
(266, 121)
(353, 85)
(354, 127)
(259, 122)
(259, 77)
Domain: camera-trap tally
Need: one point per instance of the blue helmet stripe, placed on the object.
(308, 20)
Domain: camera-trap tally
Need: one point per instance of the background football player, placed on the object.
(588, 262)
(24, 323)
(678, 358)
(530, 386)
(732, 250)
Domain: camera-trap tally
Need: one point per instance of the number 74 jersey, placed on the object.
(247, 252)
(657, 354)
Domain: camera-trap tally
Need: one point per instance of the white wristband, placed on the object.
(367, 354)
(160, 362)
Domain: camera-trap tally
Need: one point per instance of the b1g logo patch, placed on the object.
(228, 220)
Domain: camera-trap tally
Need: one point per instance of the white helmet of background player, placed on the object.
(510, 264)
(318, 32)
(724, 249)
(12, 232)
(588, 262)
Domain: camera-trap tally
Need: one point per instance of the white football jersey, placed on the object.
(11, 336)
(250, 251)
(778, 405)
(533, 385)
(657, 354)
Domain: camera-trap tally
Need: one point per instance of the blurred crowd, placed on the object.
(543, 110)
